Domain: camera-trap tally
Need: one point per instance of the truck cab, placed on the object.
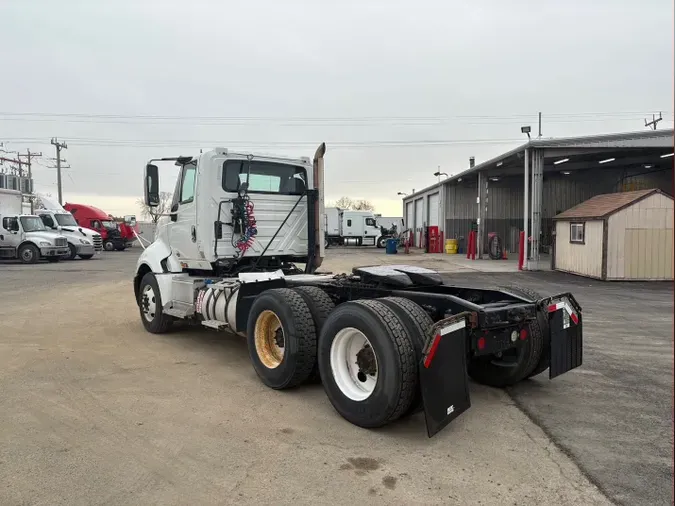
(82, 242)
(25, 237)
(96, 219)
(345, 227)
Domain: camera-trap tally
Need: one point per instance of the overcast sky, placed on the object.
(282, 76)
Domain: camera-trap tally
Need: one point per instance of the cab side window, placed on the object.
(96, 224)
(187, 187)
(349, 223)
(10, 224)
(47, 220)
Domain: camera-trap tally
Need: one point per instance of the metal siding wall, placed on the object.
(409, 215)
(461, 211)
(560, 192)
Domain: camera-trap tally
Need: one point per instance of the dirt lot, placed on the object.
(97, 411)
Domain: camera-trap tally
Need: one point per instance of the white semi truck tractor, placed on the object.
(239, 251)
(24, 236)
(82, 242)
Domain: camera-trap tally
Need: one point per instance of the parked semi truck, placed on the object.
(385, 341)
(82, 242)
(24, 236)
(345, 227)
(114, 236)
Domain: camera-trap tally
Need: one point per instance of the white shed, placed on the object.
(617, 236)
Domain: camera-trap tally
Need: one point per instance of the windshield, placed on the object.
(109, 224)
(32, 224)
(66, 220)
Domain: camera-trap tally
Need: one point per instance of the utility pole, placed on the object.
(59, 146)
(652, 124)
(539, 136)
(29, 156)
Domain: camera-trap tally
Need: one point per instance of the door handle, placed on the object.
(193, 232)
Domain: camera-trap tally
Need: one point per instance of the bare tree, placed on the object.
(155, 213)
(37, 201)
(354, 205)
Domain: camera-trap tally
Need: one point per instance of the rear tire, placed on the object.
(539, 328)
(321, 306)
(484, 370)
(418, 323)
(281, 338)
(381, 387)
(151, 307)
(86, 257)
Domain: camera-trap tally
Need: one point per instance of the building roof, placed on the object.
(602, 206)
(640, 139)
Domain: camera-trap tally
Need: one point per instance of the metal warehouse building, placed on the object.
(556, 174)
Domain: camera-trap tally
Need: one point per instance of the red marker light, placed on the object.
(481, 343)
(432, 351)
(523, 335)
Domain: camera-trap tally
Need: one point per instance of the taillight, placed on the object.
(481, 343)
(523, 335)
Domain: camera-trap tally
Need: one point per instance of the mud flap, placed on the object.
(443, 378)
(566, 335)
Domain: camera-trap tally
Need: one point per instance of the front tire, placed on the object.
(86, 257)
(281, 338)
(29, 254)
(73, 252)
(108, 246)
(382, 242)
(367, 363)
(150, 306)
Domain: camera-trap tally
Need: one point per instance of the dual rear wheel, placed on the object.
(365, 352)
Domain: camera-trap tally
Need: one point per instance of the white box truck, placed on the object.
(24, 236)
(345, 227)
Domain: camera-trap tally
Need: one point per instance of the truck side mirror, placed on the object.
(174, 212)
(130, 220)
(151, 185)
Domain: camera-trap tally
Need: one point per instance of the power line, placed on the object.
(315, 121)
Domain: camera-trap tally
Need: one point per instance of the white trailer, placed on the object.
(345, 227)
(24, 236)
(385, 341)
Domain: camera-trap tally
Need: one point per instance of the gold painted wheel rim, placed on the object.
(268, 329)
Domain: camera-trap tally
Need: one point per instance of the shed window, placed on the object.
(577, 232)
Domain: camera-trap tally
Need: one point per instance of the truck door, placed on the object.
(183, 226)
(10, 238)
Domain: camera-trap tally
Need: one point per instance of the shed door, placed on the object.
(419, 216)
(409, 215)
(432, 210)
